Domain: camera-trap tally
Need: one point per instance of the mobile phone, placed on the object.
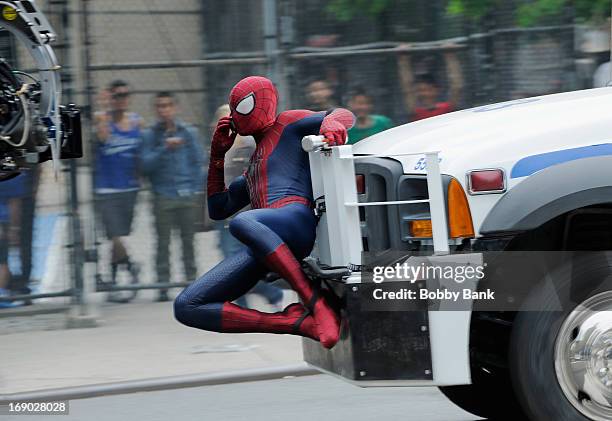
(174, 140)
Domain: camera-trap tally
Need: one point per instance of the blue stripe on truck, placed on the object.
(534, 163)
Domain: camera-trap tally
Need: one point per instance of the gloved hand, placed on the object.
(222, 139)
(335, 133)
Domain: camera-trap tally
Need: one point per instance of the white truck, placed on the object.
(523, 188)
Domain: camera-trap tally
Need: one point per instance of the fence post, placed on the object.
(79, 318)
(272, 51)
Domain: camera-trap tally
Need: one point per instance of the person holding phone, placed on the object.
(116, 176)
(278, 231)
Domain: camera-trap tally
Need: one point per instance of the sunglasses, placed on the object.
(121, 95)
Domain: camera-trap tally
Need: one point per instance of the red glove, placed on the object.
(335, 133)
(222, 141)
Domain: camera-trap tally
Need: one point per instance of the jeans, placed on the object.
(179, 213)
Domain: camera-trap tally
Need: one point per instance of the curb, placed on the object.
(161, 383)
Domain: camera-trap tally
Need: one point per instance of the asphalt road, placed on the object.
(312, 398)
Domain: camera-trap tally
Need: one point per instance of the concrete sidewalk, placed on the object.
(133, 341)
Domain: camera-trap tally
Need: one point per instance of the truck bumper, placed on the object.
(410, 344)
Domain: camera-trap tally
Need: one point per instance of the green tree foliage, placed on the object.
(345, 10)
(593, 9)
(531, 12)
(474, 9)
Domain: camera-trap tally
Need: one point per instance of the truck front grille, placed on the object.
(388, 227)
(379, 224)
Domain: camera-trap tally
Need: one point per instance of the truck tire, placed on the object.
(561, 349)
(489, 396)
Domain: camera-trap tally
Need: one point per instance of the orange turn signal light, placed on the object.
(421, 229)
(459, 216)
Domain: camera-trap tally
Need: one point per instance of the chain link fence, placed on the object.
(317, 52)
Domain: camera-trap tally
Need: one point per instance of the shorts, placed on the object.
(4, 243)
(116, 212)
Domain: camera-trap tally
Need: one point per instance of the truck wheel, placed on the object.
(561, 354)
(489, 396)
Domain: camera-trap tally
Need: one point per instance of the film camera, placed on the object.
(34, 127)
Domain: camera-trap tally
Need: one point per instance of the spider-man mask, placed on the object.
(253, 104)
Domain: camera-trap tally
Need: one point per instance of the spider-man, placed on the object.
(280, 228)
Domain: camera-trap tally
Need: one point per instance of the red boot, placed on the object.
(295, 319)
(327, 321)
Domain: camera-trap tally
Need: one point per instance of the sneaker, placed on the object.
(23, 291)
(6, 304)
(162, 297)
(278, 304)
(118, 297)
(134, 270)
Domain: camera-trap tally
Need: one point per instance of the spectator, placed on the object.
(320, 94)
(236, 163)
(367, 124)
(12, 193)
(5, 274)
(20, 282)
(173, 159)
(116, 175)
(423, 100)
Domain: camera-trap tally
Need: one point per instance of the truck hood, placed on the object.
(499, 135)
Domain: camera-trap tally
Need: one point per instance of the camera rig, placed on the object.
(34, 127)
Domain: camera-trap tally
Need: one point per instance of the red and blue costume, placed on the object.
(280, 228)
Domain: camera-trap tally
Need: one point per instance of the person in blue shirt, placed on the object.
(116, 178)
(11, 194)
(173, 160)
(5, 274)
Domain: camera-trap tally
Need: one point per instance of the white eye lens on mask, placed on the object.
(246, 105)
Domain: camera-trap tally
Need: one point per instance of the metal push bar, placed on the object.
(333, 177)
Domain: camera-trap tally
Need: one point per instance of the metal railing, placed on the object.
(333, 176)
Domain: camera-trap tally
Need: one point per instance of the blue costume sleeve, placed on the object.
(311, 124)
(308, 125)
(224, 204)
